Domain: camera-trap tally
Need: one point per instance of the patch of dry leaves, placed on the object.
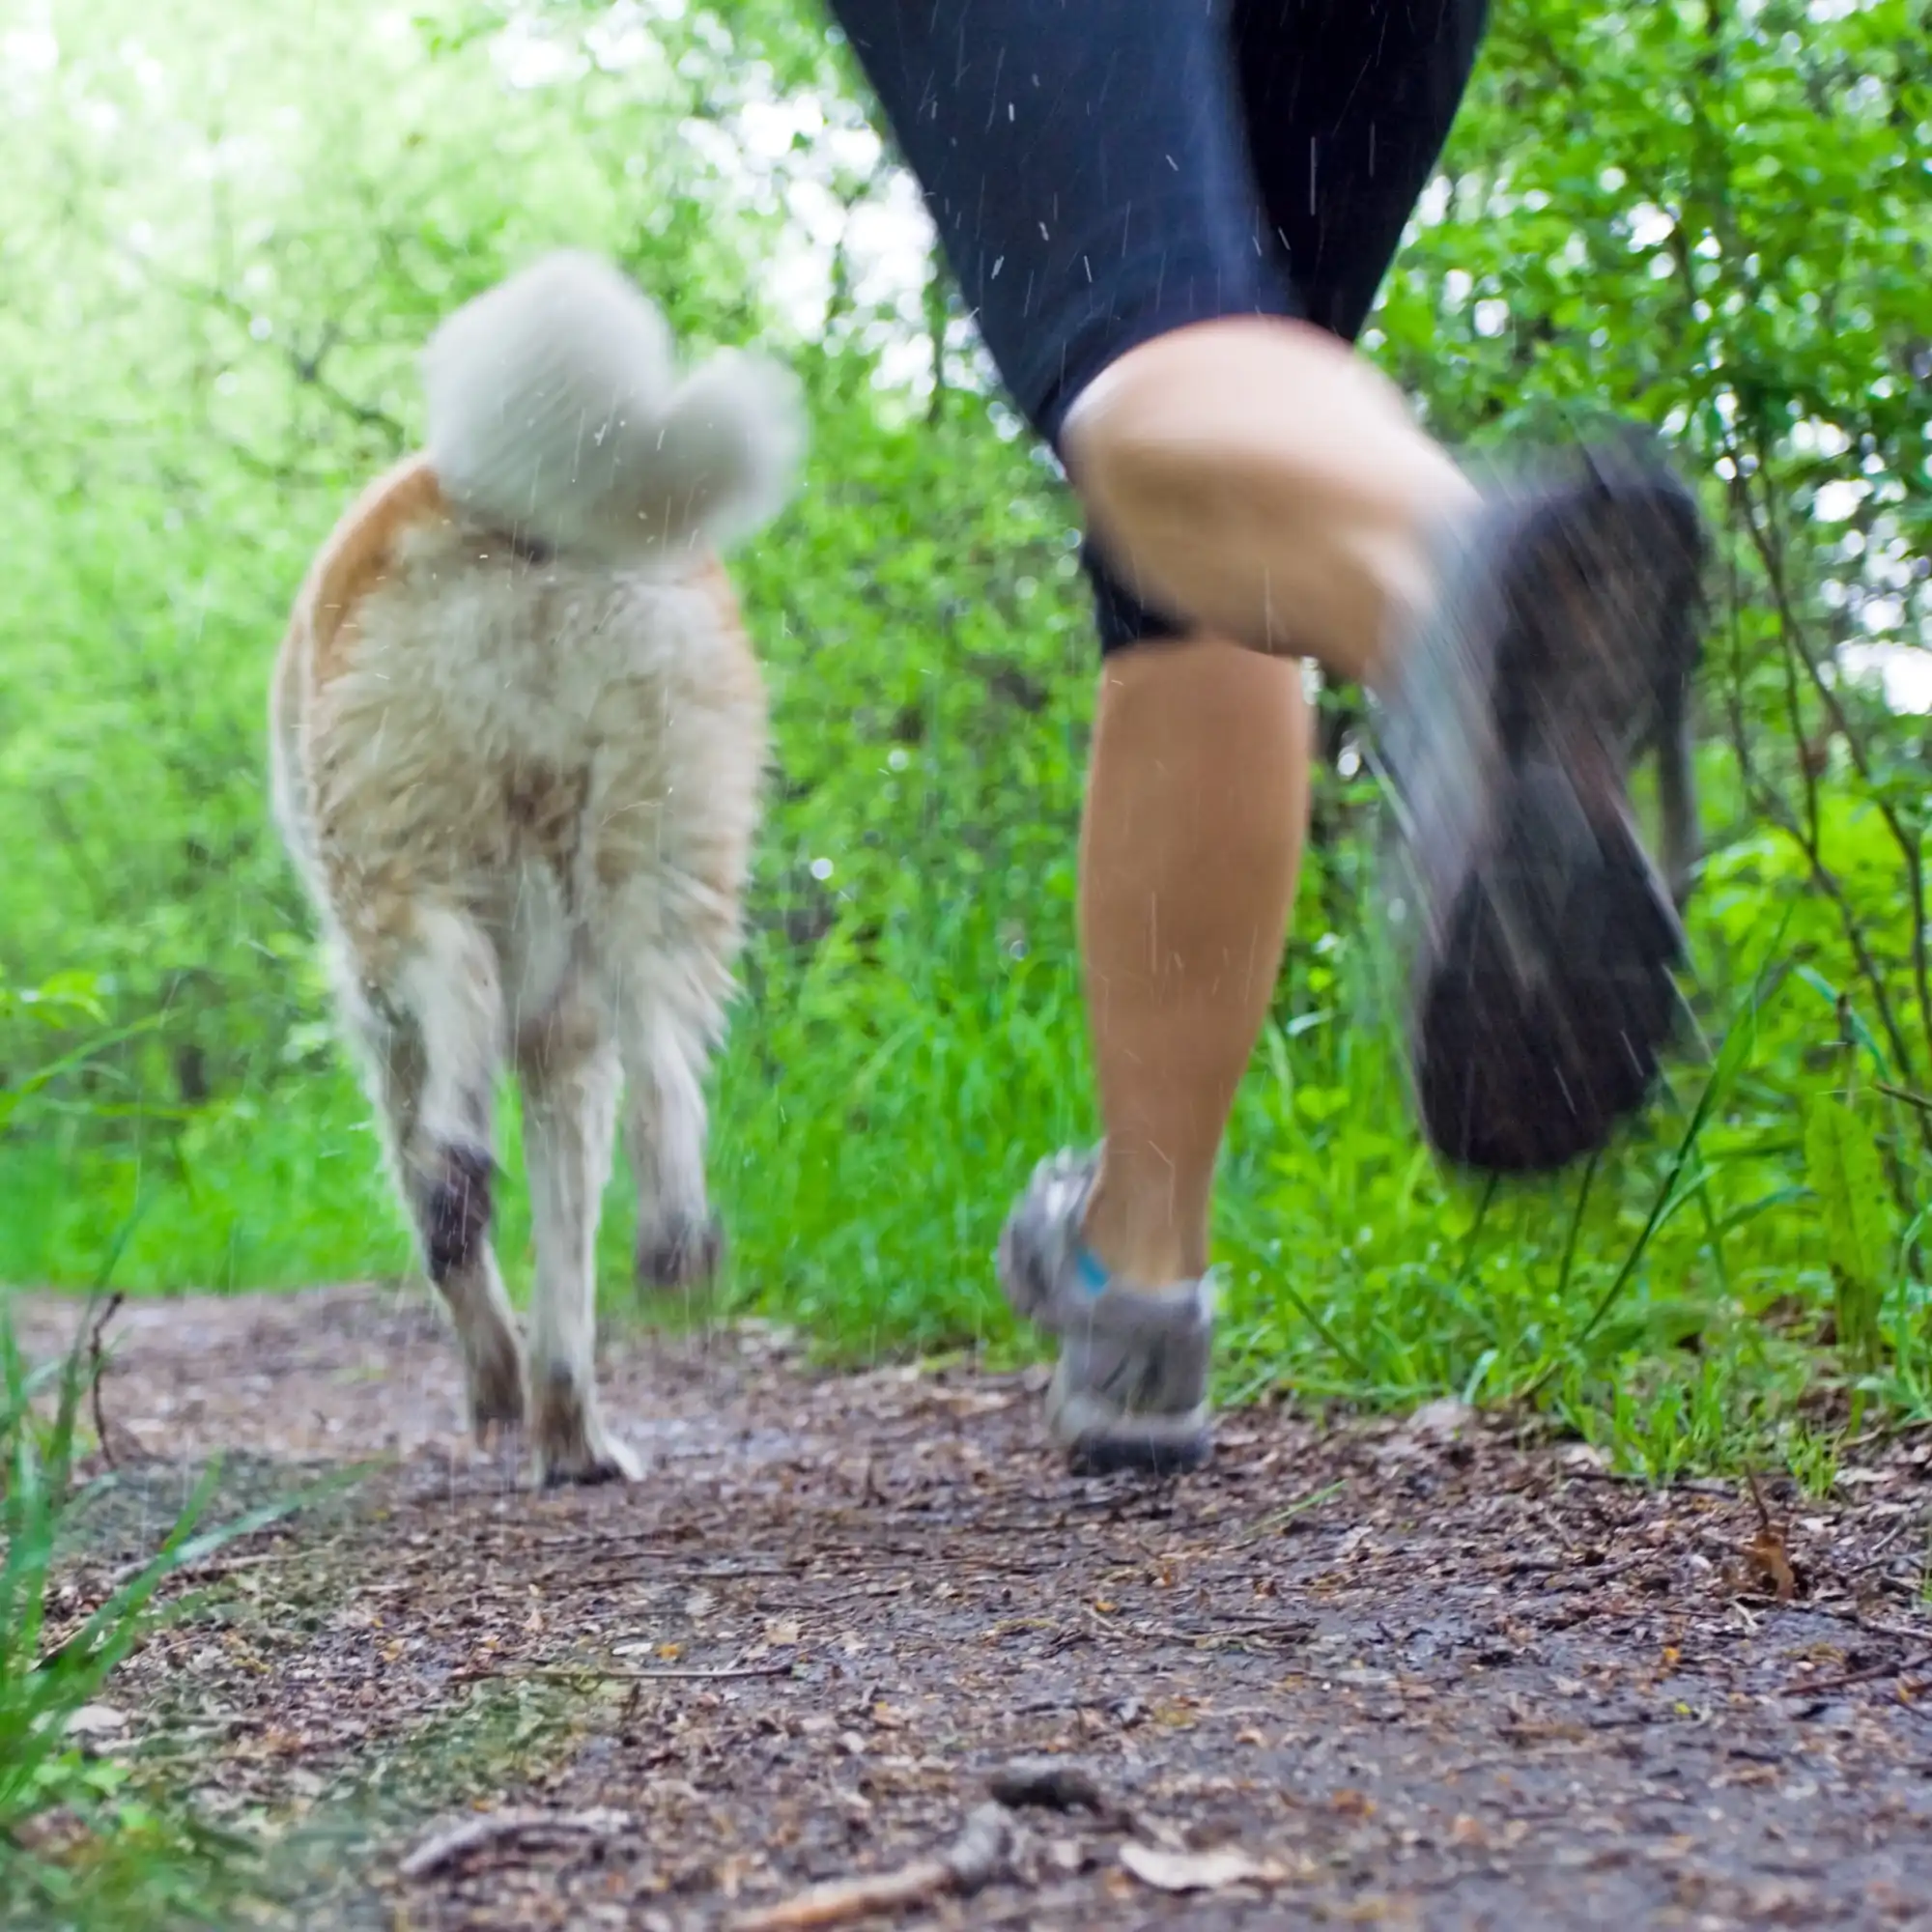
(1407, 1674)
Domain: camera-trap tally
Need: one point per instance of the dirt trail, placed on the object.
(1421, 1676)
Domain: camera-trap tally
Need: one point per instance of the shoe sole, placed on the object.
(1124, 1452)
(1099, 1433)
(1545, 1003)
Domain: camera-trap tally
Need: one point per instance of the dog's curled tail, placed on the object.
(556, 411)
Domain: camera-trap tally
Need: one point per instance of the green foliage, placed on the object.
(41, 1689)
(82, 1842)
(225, 233)
(1841, 1162)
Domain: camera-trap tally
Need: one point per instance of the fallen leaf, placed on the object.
(1771, 1563)
(1195, 1872)
(95, 1720)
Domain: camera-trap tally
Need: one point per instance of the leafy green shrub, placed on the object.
(81, 1842)
(1709, 217)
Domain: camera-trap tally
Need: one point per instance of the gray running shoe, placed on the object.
(1544, 987)
(1130, 1388)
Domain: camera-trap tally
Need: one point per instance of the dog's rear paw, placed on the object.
(682, 1253)
(570, 1441)
(596, 1456)
(495, 1375)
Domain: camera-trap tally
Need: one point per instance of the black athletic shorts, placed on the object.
(1104, 171)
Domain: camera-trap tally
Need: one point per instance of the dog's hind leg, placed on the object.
(567, 1068)
(680, 1240)
(431, 1033)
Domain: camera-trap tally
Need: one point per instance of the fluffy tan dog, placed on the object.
(516, 741)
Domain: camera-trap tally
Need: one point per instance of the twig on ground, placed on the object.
(97, 1373)
(976, 1858)
(1872, 1673)
(1882, 1548)
(210, 1570)
(618, 1673)
(590, 1579)
(1871, 1626)
(1276, 1631)
(444, 1847)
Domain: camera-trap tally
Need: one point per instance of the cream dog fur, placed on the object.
(516, 739)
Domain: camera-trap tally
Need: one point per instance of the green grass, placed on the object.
(83, 1841)
(268, 1191)
(878, 1105)
(882, 1095)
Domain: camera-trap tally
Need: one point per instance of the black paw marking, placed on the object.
(683, 1254)
(1104, 1455)
(581, 1475)
(455, 1208)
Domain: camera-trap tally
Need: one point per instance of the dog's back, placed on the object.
(517, 736)
(458, 718)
